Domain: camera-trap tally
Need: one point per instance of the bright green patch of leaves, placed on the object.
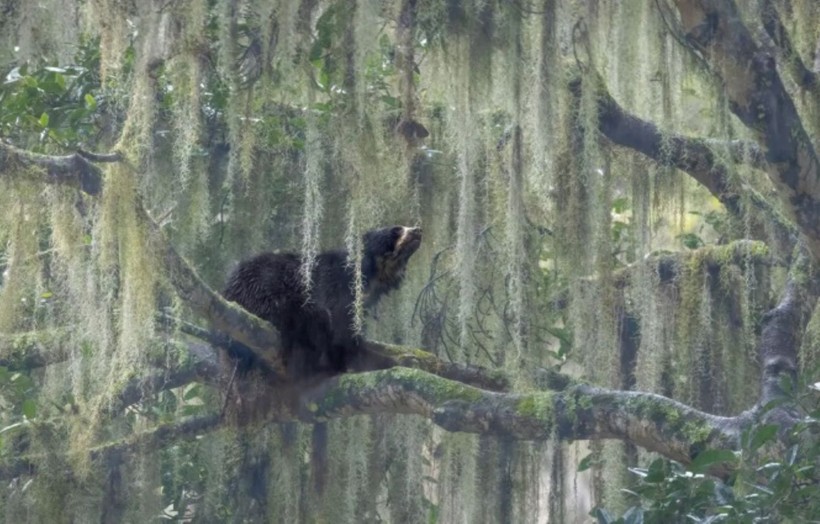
(42, 103)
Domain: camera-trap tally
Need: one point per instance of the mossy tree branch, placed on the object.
(75, 170)
(758, 97)
(202, 368)
(34, 349)
(253, 332)
(787, 55)
(155, 438)
(579, 413)
(696, 157)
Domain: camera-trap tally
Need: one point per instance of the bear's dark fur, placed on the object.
(317, 326)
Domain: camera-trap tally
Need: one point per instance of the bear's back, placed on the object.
(270, 285)
(266, 284)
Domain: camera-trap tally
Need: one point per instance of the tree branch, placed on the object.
(260, 336)
(759, 99)
(581, 412)
(694, 156)
(783, 326)
(34, 349)
(72, 170)
(787, 55)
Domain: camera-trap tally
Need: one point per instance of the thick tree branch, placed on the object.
(253, 332)
(783, 327)
(35, 349)
(155, 438)
(787, 55)
(759, 99)
(72, 170)
(694, 156)
(383, 356)
(580, 413)
(669, 266)
(691, 155)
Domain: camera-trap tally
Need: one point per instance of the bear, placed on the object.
(316, 325)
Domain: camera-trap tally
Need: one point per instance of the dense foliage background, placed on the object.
(559, 236)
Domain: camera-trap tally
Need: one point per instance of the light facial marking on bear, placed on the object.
(408, 235)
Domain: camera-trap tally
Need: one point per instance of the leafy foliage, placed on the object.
(57, 104)
(766, 485)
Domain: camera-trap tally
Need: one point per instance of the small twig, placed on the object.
(228, 390)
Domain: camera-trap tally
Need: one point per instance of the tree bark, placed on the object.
(757, 96)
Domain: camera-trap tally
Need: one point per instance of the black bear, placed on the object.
(317, 326)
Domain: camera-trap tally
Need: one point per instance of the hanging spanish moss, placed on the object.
(186, 95)
(20, 264)
(314, 201)
(515, 219)
(467, 229)
(296, 126)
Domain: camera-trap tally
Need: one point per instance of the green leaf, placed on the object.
(190, 411)
(633, 515)
(391, 101)
(192, 392)
(586, 462)
(29, 408)
(656, 471)
(621, 204)
(324, 79)
(761, 435)
(90, 102)
(712, 456)
(691, 240)
(44, 120)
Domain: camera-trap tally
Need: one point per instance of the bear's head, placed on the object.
(384, 258)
